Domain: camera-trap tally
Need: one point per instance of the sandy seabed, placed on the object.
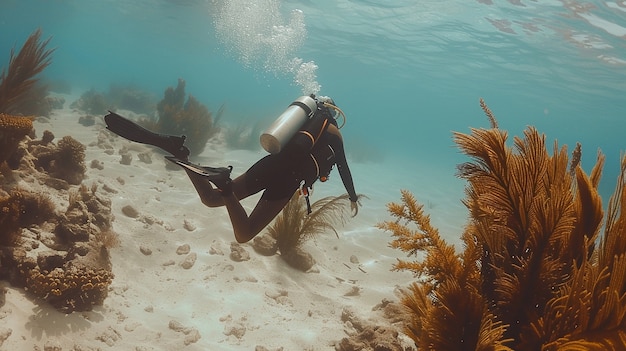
(155, 303)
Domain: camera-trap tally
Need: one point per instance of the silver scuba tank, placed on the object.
(288, 123)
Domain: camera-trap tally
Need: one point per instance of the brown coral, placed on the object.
(13, 129)
(70, 288)
(65, 161)
(531, 275)
(21, 209)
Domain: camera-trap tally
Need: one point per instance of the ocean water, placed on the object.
(406, 73)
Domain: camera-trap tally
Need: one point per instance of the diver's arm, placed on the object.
(342, 163)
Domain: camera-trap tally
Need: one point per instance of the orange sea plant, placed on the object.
(542, 266)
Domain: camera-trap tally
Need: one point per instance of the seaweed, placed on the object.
(18, 81)
(91, 101)
(535, 273)
(189, 118)
(293, 226)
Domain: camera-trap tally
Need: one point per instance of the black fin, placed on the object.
(209, 172)
(130, 130)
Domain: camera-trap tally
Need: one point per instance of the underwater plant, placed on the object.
(535, 273)
(131, 98)
(91, 101)
(293, 226)
(18, 80)
(243, 135)
(117, 97)
(189, 118)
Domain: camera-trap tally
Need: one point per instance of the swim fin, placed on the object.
(134, 132)
(213, 173)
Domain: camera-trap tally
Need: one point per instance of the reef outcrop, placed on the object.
(59, 255)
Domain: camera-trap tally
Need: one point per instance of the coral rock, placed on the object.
(183, 249)
(238, 253)
(50, 260)
(265, 245)
(299, 259)
(189, 261)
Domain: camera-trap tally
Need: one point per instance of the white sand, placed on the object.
(220, 304)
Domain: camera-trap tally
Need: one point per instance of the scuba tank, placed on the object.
(288, 123)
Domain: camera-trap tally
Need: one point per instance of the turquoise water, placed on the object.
(407, 73)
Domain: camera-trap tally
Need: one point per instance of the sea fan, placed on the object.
(18, 80)
(293, 226)
(531, 275)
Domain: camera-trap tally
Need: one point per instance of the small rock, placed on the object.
(145, 157)
(189, 226)
(215, 250)
(354, 259)
(97, 164)
(87, 121)
(126, 159)
(183, 249)
(238, 253)
(189, 261)
(4, 334)
(130, 211)
(265, 245)
(3, 298)
(237, 330)
(145, 250)
(192, 337)
(354, 291)
(299, 259)
(52, 345)
(109, 189)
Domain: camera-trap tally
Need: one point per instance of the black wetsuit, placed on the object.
(280, 175)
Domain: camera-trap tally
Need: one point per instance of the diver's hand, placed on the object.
(354, 208)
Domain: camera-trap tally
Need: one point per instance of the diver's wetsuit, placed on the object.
(281, 174)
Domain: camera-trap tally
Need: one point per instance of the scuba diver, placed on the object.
(304, 144)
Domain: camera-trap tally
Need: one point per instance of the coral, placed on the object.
(243, 136)
(293, 226)
(22, 209)
(70, 161)
(70, 288)
(72, 268)
(37, 102)
(118, 97)
(92, 102)
(534, 272)
(18, 80)
(65, 161)
(131, 98)
(189, 118)
(13, 129)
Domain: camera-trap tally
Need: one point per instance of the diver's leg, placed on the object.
(211, 196)
(246, 228)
